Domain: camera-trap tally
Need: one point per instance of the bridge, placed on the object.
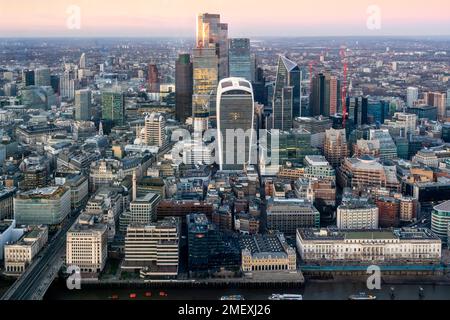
(37, 278)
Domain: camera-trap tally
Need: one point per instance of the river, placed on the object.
(327, 290)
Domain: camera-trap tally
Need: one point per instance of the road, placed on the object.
(35, 281)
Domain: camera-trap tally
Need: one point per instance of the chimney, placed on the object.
(134, 186)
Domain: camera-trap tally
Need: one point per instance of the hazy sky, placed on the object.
(245, 17)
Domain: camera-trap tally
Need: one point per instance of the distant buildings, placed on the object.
(412, 95)
(154, 131)
(153, 79)
(113, 108)
(267, 253)
(87, 245)
(325, 95)
(401, 246)
(47, 206)
(83, 105)
(42, 77)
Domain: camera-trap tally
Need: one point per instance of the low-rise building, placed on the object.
(357, 216)
(153, 248)
(47, 206)
(265, 253)
(385, 246)
(287, 215)
(87, 244)
(19, 255)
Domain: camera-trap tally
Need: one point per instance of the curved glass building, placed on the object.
(236, 136)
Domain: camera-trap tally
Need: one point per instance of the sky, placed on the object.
(246, 18)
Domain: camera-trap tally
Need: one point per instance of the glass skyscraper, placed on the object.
(183, 86)
(286, 98)
(113, 107)
(240, 60)
(235, 111)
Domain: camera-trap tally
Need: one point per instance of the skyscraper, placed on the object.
(42, 77)
(438, 100)
(235, 111)
(183, 87)
(67, 85)
(211, 33)
(28, 78)
(324, 98)
(154, 131)
(83, 105)
(210, 61)
(240, 60)
(153, 79)
(113, 107)
(286, 97)
(205, 78)
(335, 146)
(82, 63)
(412, 96)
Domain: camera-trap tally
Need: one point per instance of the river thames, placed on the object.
(313, 290)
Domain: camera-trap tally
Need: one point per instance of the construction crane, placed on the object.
(344, 85)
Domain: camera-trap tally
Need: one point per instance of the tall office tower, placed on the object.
(42, 77)
(286, 98)
(259, 86)
(210, 61)
(324, 99)
(412, 95)
(154, 131)
(83, 105)
(240, 60)
(335, 147)
(28, 78)
(153, 79)
(82, 63)
(211, 33)
(332, 94)
(438, 100)
(357, 108)
(235, 111)
(113, 107)
(448, 99)
(205, 78)
(55, 81)
(183, 87)
(224, 71)
(67, 85)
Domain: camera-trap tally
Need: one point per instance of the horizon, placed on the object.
(176, 18)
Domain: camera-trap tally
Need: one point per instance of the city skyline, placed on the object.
(24, 18)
